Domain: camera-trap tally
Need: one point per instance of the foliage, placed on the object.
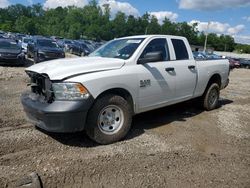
(243, 48)
(95, 23)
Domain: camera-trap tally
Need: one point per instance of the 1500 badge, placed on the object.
(145, 83)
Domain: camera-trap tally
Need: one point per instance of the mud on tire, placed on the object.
(109, 119)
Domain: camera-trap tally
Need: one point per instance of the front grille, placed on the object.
(52, 54)
(8, 55)
(41, 85)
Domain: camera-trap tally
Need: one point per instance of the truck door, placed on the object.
(184, 68)
(157, 85)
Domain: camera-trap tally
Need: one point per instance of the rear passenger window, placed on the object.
(180, 49)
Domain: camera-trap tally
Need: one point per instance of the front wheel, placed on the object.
(211, 97)
(109, 120)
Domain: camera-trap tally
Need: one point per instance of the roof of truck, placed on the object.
(150, 36)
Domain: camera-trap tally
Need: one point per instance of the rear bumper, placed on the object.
(59, 116)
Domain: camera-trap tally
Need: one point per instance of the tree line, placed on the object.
(95, 23)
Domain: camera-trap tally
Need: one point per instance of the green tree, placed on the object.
(153, 26)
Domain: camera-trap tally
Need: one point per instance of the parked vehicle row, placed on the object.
(43, 48)
(233, 62)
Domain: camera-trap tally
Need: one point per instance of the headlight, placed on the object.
(21, 54)
(70, 91)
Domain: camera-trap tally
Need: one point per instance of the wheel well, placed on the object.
(121, 92)
(216, 78)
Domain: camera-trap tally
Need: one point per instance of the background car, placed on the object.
(11, 52)
(234, 63)
(199, 55)
(245, 63)
(80, 49)
(24, 43)
(66, 44)
(43, 49)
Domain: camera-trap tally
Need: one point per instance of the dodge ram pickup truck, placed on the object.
(127, 76)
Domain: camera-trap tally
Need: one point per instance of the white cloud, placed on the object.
(247, 18)
(4, 3)
(30, 2)
(235, 30)
(242, 39)
(161, 15)
(211, 4)
(65, 3)
(116, 6)
(217, 27)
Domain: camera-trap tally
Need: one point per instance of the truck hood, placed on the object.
(63, 68)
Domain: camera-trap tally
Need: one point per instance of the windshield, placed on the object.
(27, 40)
(68, 42)
(47, 43)
(120, 48)
(9, 45)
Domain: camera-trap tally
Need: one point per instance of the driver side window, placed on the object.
(157, 45)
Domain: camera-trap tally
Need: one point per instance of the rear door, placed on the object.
(184, 68)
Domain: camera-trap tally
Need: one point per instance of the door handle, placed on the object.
(191, 67)
(169, 69)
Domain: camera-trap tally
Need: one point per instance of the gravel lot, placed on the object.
(177, 146)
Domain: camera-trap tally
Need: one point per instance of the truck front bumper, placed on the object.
(58, 116)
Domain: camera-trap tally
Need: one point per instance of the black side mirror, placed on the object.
(151, 57)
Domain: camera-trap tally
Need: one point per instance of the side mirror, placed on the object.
(151, 57)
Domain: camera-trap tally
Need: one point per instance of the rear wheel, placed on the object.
(109, 120)
(211, 96)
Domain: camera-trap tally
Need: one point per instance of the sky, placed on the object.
(230, 17)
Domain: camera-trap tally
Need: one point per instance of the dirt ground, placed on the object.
(177, 146)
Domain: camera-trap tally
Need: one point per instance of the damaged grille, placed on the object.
(41, 85)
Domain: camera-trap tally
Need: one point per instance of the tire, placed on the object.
(36, 59)
(210, 98)
(71, 51)
(109, 120)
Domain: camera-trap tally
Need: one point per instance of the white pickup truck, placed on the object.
(100, 93)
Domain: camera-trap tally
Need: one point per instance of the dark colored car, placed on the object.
(79, 49)
(11, 52)
(199, 55)
(66, 44)
(245, 63)
(234, 63)
(43, 49)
